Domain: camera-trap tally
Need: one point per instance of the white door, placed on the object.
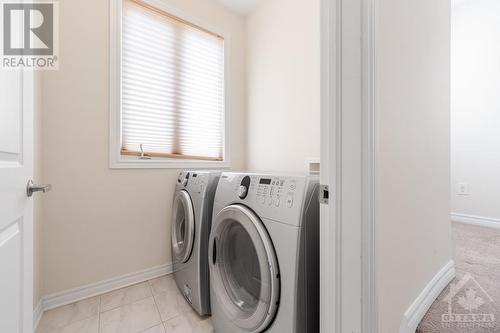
(16, 209)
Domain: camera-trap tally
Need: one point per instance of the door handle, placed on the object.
(214, 252)
(32, 188)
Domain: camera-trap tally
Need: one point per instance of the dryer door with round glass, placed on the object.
(244, 269)
(182, 227)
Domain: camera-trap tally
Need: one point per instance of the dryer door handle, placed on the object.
(214, 251)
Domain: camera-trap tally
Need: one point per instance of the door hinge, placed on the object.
(324, 194)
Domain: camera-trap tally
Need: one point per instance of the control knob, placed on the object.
(242, 191)
(185, 180)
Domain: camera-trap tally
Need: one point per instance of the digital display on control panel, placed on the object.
(265, 181)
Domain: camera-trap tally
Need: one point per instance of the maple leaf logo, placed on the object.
(470, 301)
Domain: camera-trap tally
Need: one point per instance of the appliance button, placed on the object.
(277, 201)
(270, 201)
(263, 200)
(289, 201)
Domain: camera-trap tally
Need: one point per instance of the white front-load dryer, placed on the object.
(191, 222)
(264, 254)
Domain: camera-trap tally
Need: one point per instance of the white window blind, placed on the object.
(172, 85)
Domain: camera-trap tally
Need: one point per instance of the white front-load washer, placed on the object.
(264, 254)
(191, 222)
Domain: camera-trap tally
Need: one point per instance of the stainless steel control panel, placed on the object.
(275, 191)
(194, 181)
(277, 197)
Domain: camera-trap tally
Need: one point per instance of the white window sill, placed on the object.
(131, 162)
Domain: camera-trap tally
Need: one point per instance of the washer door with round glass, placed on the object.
(182, 227)
(244, 269)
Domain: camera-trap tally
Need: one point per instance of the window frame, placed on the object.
(116, 159)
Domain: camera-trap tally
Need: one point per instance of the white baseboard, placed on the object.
(419, 308)
(73, 295)
(37, 314)
(476, 220)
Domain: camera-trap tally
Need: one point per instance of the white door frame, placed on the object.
(347, 276)
(369, 301)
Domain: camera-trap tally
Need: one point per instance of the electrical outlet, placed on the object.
(463, 189)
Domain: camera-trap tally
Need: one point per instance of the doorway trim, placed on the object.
(369, 294)
(347, 277)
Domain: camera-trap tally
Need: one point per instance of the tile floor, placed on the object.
(154, 306)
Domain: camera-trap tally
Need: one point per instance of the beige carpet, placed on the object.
(474, 301)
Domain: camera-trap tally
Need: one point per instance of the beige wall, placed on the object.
(99, 223)
(283, 64)
(413, 236)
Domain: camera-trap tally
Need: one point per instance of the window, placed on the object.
(171, 93)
